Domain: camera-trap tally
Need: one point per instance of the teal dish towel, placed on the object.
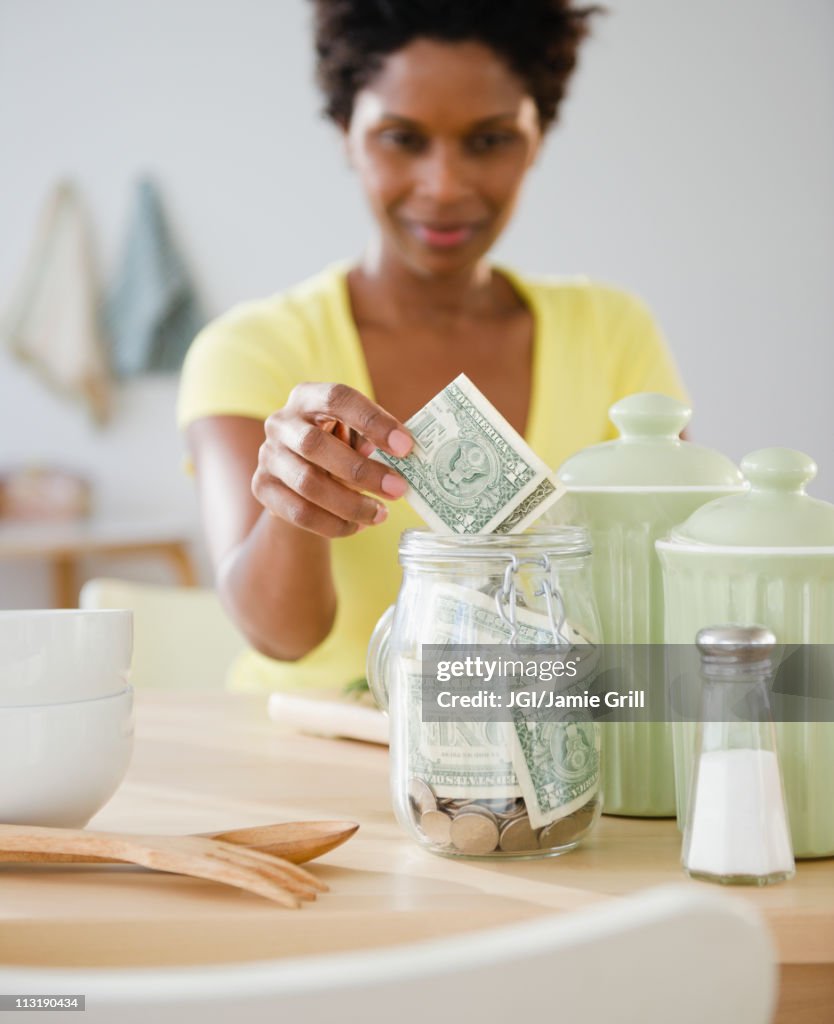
(152, 312)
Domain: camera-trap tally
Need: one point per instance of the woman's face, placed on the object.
(441, 139)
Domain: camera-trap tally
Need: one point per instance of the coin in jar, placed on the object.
(473, 808)
(559, 833)
(436, 826)
(474, 833)
(517, 835)
(520, 811)
(585, 815)
(420, 794)
(502, 808)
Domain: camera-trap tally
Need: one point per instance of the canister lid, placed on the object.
(774, 513)
(649, 452)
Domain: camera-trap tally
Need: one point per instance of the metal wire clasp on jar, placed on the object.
(501, 783)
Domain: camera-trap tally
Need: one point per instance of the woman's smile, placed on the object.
(437, 235)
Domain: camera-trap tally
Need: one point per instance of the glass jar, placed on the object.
(736, 830)
(489, 788)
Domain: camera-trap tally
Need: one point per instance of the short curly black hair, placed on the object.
(538, 39)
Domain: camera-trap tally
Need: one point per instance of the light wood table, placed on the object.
(64, 544)
(215, 761)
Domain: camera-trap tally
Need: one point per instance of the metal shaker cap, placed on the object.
(733, 643)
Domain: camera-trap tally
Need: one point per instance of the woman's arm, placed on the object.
(270, 507)
(273, 579)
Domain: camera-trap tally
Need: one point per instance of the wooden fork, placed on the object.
(295, 841)
(214, 859)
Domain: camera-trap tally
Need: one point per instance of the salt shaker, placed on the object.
(736, 829)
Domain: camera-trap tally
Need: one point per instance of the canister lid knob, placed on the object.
(734, 642)
(649, 415)
(778, 469)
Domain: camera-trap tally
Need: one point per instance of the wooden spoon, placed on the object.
(294, 841)
(199, 857)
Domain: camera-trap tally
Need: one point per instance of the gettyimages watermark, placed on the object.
(615, 683)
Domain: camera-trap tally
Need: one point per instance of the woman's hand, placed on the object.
(313, 466)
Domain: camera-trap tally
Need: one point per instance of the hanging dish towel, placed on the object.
(152, 312)
(52, 320)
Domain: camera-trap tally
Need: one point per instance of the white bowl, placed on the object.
(60, 763)
(52, 656)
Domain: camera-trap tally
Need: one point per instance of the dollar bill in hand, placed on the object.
(469, 471)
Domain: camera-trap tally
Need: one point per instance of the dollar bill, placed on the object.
(457, 759)
(469, 471)
(555, 766)
(461, 615)
(474, 760)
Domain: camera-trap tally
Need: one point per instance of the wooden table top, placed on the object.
(41, 538)
(215, 761)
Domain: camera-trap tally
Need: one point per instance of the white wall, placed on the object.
(694, 164)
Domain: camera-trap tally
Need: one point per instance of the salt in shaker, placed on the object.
(736, 830)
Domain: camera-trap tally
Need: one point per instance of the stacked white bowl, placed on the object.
(66, 713)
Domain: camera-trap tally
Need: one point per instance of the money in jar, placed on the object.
(511, 788)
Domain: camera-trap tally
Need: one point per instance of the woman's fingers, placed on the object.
(281, 501)
(364, 446)
(320, 448)
(322, 403)
(313, 468)
(319, 488)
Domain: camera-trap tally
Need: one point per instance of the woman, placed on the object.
(442, 107)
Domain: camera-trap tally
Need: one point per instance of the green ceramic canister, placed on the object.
(763, 557)
(628, 493)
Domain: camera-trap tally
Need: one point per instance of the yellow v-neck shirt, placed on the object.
(592, 345)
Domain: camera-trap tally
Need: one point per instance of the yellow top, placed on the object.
(592, 346)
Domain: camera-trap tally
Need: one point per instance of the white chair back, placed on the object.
(674, 954)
